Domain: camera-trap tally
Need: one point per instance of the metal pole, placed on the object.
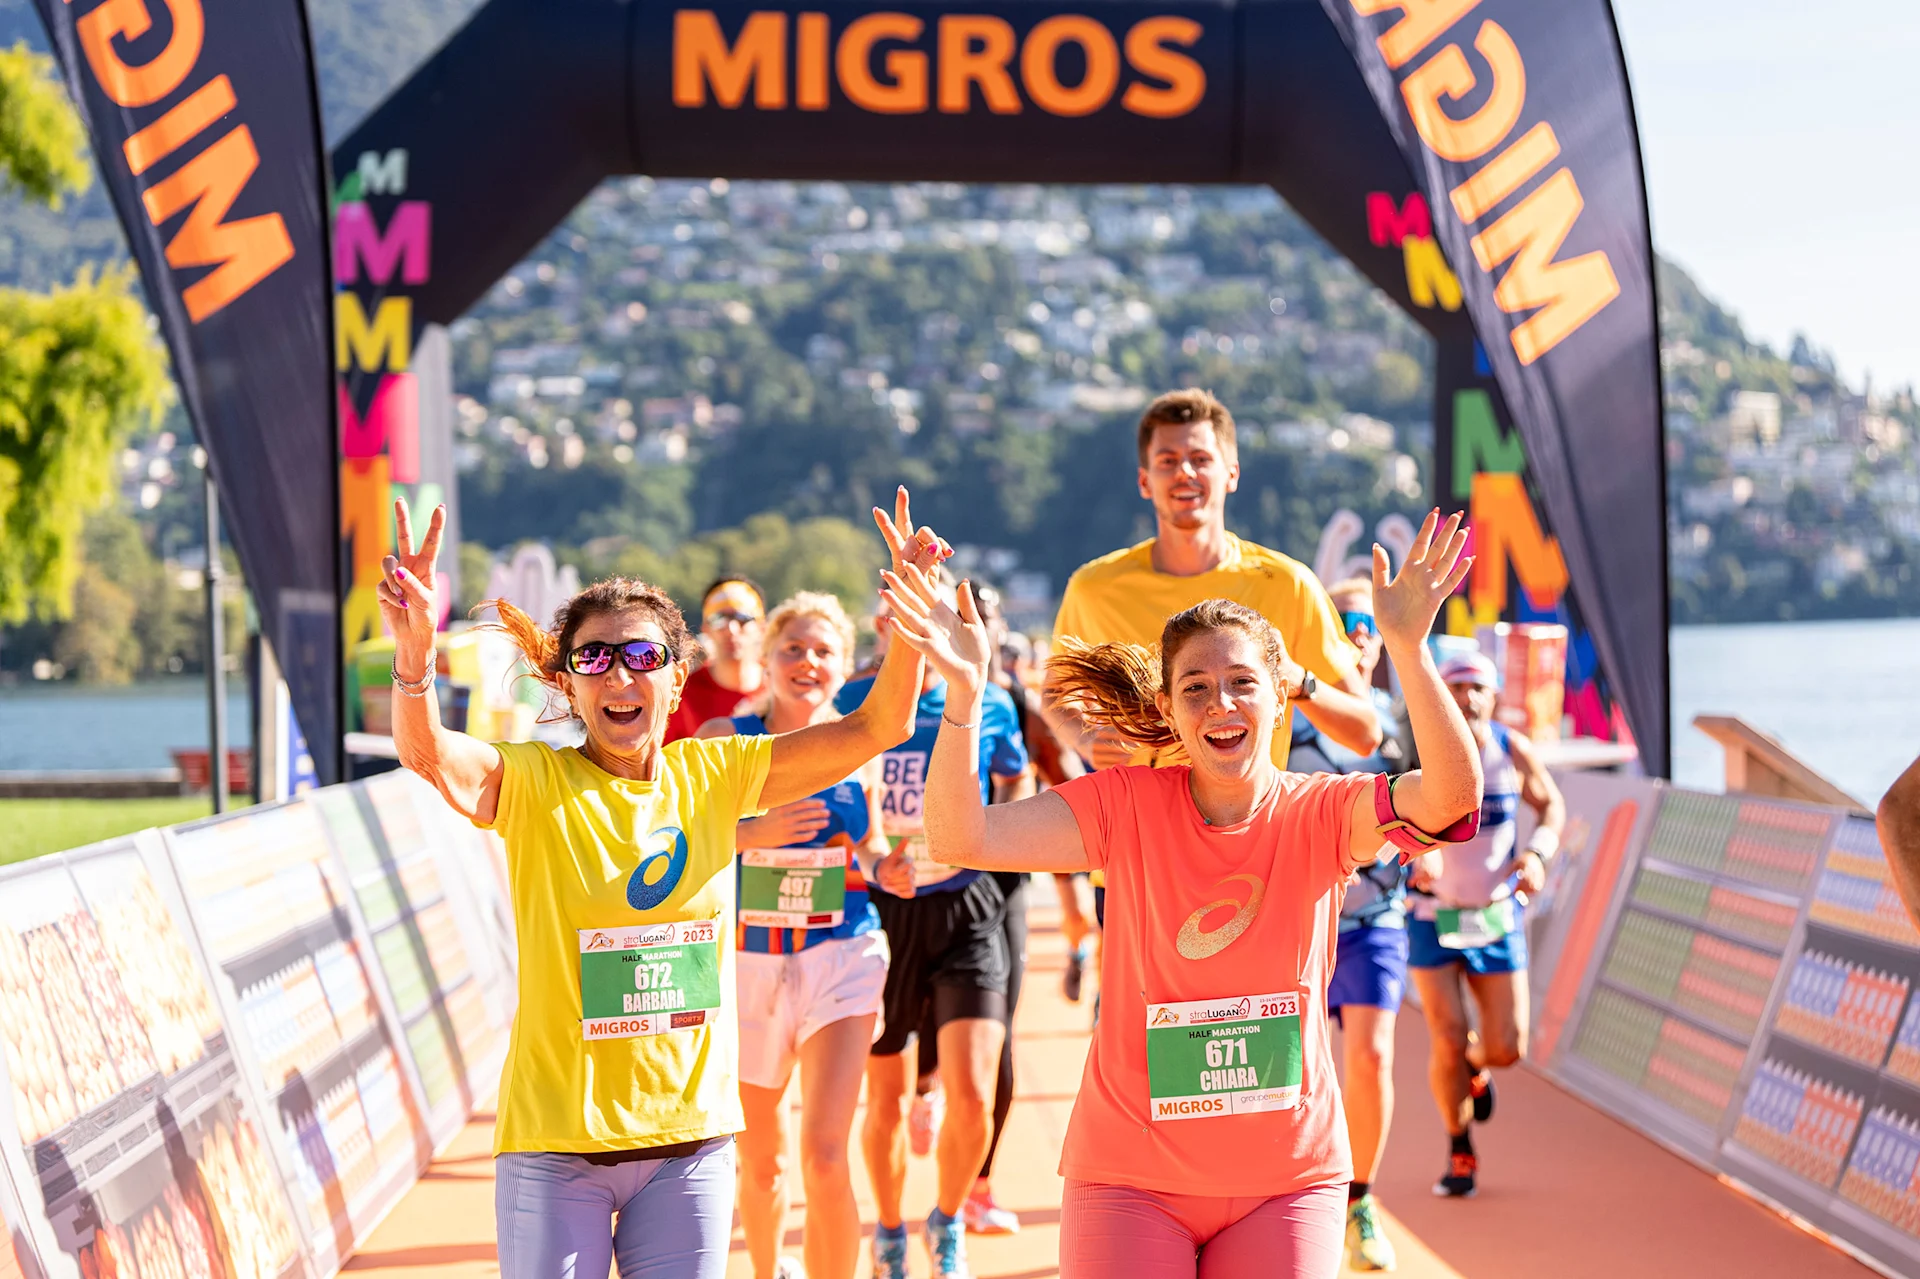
(216, 652)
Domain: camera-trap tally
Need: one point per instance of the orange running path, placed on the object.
(1566, 1192)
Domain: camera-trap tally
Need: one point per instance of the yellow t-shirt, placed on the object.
(587, 852)
(1121, 599)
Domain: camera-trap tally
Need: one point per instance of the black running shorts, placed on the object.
(949, 959)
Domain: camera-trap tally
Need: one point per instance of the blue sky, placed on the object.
(1780, 144)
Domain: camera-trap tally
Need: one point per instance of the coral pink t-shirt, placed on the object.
(1211, 915)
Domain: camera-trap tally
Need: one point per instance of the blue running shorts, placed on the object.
(1369, 970)
(1508, 955)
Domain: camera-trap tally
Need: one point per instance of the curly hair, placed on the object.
(1115, 685)
(546, 648)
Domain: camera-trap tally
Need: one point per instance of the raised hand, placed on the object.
(923, 549)
(1405, 604)
(406, 593)
(784, 826)
(955, 642)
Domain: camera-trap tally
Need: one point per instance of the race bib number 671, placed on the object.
(1237, 1055)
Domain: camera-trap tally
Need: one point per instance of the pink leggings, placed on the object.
(1118, 1232)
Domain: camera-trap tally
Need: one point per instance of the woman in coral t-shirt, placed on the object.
(1207, 1138)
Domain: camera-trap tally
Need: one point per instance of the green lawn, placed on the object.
(30, 827)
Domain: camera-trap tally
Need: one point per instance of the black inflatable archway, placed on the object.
(1495, 135)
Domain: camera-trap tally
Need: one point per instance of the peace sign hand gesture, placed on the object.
(1404, 605)
(406, 593)
(923, 549)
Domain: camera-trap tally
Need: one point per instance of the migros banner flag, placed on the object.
(895, 63)
(204, 124)
(1515, 118)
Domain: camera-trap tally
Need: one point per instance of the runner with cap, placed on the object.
(1206, 1136)
(812, 957)
(1467, 924)
(733, 631)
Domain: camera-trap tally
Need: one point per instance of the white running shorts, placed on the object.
(786, 999)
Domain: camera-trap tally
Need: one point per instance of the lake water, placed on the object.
(63, 726)
(1844, 696)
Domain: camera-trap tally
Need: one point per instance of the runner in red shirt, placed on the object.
(1207, 1137)
(733, 631)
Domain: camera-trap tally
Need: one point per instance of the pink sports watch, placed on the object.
(1404, 835)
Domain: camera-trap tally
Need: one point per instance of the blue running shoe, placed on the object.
(947, 1246)
(890, 1252)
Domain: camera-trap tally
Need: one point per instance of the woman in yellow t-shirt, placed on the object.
(619, 1098)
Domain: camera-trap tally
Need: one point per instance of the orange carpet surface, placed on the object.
(1565, 1191)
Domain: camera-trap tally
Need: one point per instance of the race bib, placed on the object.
(1469, 929)
(1234, 1056)
(793, 887)
(925, 869)
(649, 980)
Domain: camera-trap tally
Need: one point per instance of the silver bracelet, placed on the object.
(418, 688)
(945, 719)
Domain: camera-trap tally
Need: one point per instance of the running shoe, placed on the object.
(791, 1267)
(1076, 971)
(924, 1119)
(1458, 1183)
(1368, 1247)
(890, 1252)
(985, 1217)
(947, 1246)
(1482, 1088)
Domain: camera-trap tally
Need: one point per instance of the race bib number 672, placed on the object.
(648, 980)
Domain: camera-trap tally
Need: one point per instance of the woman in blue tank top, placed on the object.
(812, 959)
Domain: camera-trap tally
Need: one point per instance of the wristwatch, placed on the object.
(1308, 686)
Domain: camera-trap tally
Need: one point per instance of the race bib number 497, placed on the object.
(649, 980)
(1215, 1057)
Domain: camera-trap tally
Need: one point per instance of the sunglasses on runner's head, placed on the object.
(726, 617)
(636, 655)
(1351, 622)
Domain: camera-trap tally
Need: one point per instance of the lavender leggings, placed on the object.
(1118, 1232)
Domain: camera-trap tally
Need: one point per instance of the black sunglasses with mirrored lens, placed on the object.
(636, 655)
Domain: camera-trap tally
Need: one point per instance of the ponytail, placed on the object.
(537, 644)
(1116, 685)
(1110, 686)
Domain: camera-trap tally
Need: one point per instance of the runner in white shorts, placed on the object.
(812, 957)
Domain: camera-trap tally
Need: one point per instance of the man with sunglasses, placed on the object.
(733, 626)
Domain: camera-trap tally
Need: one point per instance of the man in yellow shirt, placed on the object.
(1189, 462)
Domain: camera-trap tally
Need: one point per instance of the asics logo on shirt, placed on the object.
(1193, 942)
(659, 871)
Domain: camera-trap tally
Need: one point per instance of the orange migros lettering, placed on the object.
(905, 93)
(1421, 22)
(701, 58)
(241, 253)
(1447, 75)
(1564, 295)
(1039, 55)
(128, 20)
(975, 49)
(969, 51)
(1568, 293)
(1147, 53)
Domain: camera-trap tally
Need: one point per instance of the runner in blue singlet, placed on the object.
(812, 962)
(1467, 920)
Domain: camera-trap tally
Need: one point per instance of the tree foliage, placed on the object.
(78, 366)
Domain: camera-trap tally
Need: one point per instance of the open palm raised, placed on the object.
(954, 640)
(1405, 604)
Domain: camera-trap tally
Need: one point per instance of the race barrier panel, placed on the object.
(1734, 977)
(231, 1047)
